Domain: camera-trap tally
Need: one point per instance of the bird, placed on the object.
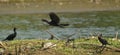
(102, 41)
(11, 36)
(55, 20)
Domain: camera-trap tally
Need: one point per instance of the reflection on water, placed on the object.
(83, 24)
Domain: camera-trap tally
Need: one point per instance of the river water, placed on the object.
(30, 26)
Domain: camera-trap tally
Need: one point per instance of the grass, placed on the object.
(83, 47)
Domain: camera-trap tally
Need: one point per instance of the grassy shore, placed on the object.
(83, 46)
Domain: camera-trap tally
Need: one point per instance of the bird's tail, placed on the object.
(64, 24)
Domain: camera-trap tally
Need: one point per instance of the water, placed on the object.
(30, 26)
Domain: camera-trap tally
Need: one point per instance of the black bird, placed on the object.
(101, 40)
(54, 20)
(11, 36)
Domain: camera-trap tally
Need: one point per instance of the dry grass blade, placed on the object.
(53, 35)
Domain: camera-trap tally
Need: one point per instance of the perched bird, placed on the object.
(101, 40)
(11, 36)
(54, 20)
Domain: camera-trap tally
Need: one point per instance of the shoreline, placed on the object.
(59, 47)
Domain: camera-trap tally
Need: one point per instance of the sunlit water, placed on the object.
(30, 26)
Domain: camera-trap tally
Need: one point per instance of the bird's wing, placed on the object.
(105, 41)
(9, 36)
(54, 18)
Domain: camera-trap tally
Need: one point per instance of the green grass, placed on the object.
(83, 46)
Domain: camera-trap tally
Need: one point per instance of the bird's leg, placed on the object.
(102, 48)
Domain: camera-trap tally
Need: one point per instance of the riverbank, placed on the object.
(83, 46)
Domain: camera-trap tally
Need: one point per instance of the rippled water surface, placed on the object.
(83, 24)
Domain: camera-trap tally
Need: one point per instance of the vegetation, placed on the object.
(83, 46)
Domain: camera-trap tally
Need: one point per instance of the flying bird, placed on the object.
(11, 36)
(55, 20)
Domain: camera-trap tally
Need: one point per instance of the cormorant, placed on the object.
(101, 40)
(11, 36)
(54, 20)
